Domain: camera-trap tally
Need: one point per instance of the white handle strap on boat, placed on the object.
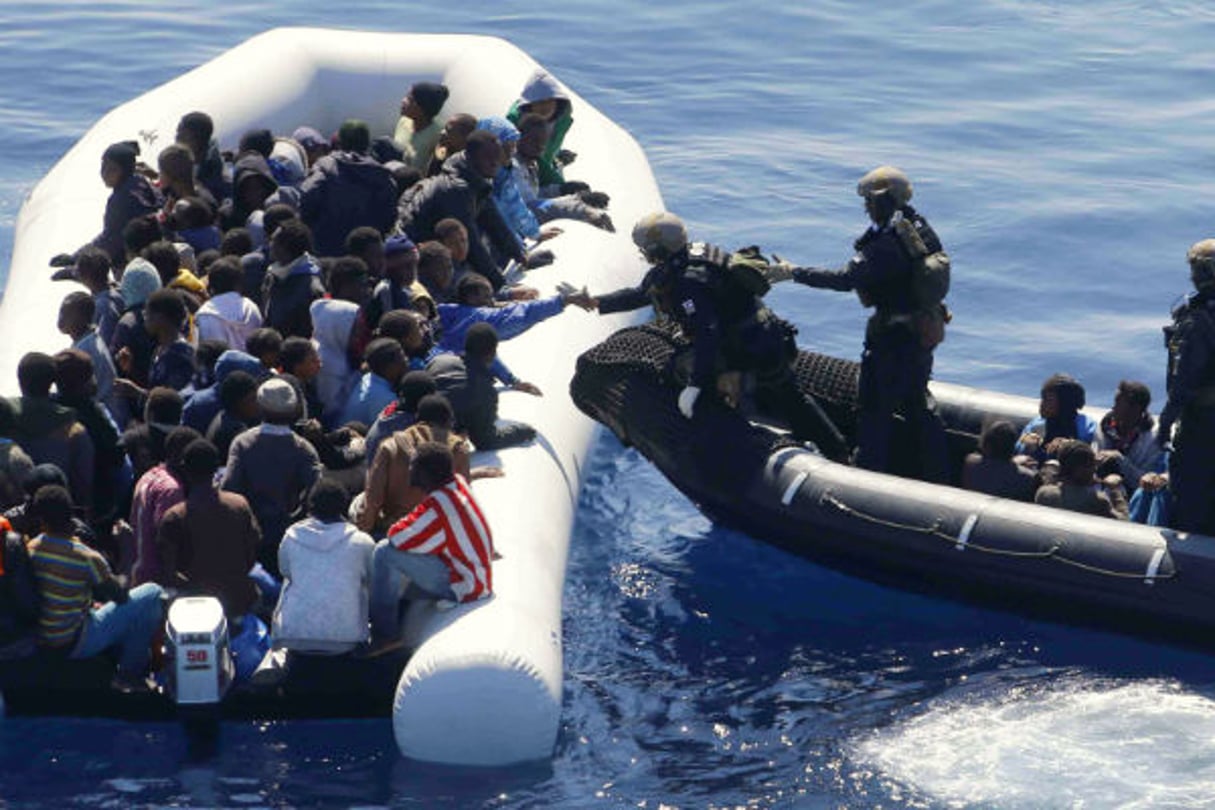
(794, 486)
(1153, 566)
(967, 528)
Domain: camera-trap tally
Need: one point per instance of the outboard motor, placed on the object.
(198, 658)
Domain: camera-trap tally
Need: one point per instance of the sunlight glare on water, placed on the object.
(1075, 742)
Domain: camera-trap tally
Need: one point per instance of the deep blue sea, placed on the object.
(1063, 153)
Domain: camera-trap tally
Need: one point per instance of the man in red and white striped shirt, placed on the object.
(443, 548)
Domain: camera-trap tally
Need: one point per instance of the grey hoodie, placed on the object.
(326, 571)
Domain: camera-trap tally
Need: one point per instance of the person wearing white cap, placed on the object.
(272, 467)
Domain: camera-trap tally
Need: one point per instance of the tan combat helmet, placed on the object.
(1201, 257)
(886, 180)
(660, 235)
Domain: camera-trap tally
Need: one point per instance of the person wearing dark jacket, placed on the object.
(252, 184)
(1190, 341)
(209, 542)
(48, 431)
(18, 596)
(131, 196)
(273, 467)
(293, 281)
(468, 383)
(897, 362)
(194, 131)
(728, 327)
(76, 388)
(346, 190)
(464, 191)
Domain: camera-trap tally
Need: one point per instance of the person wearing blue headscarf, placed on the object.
(507, 195)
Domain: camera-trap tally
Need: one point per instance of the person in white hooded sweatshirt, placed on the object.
(327, 569)
(332, 324)
(227, 315)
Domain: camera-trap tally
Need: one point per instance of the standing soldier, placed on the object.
(1190, 340)
(727, 323)
(901, 270)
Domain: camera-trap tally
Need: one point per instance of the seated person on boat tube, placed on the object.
(131, 196)
(1059, 418)
(463, 191)
(467, 380)
(418, 130)
(390, 494)
(443, 549)
(993, 471)
(327, 570)
(564, 200)
(1078, 489)
(70, 577)
(724, 323)
(1126, 439)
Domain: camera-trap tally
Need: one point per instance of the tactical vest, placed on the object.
(930, 277)
(1200, 317)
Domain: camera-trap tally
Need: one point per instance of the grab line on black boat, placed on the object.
(1052, 553)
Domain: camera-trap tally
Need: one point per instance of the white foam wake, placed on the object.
(1072, 743)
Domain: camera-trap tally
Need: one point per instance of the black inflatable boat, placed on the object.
(931, 538)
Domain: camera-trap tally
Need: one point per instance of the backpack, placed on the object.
(930, 276)
(742, 272)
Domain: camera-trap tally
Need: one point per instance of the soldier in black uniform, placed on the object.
(1190, 340)
(687, 284)
(903, 330)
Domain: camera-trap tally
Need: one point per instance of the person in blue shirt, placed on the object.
(475, 304)
(1059, 417)
(377, 387)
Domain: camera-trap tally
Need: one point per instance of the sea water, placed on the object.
(1061, 150)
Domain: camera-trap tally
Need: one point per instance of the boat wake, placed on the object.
(1073, 742)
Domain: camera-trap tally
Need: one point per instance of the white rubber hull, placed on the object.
(485, 684)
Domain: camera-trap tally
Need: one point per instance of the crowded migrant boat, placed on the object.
(282, 359)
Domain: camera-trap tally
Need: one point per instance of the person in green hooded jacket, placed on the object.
(544, 96)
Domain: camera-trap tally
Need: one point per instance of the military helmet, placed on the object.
(660, 235)
(886, 180)
(1201, 257)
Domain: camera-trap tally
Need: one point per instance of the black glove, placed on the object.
(573, 187)
(63, 260)
(565, 157)
(595, 199)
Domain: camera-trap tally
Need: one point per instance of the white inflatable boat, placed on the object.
(484, 684)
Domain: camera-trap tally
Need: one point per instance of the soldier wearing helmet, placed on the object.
(1190, 341)
(729, 329)
(897, 359)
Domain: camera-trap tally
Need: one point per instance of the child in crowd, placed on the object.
(227, 315)
(993, 470)
(1078, 490)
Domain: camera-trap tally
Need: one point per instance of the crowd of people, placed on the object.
(280, 361)
(282, 358)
